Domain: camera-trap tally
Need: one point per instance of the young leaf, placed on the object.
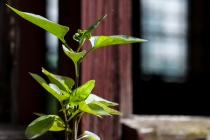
(58, 124)
(63, 83)
(95, 24)
(54, 28)
(56, 94)
(86, 34)
(93, 97)
(107, 109)
(75, 57)
(55, 88)
(85, 108)
(65, 93)
(81, 93)
(89, 135)
(39, 126)
(98, 109)
(100, 41)
(38, 78)
(42, 82)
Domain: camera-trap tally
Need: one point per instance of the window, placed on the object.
(52, 51)
(164, 25)
(51, 40)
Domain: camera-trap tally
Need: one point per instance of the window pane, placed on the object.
(164, 25)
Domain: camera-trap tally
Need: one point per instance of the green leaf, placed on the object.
(51, 90)
(85, 108)
(95, 24)
(39, 114)
(80, 35)
(93, 97)
(81, 93)
(39, 126)
(58, 124)
(57, 95)
(38, 78)
(100, 41)
(98, 109)
(75, 57)
(107, 109)
(54, 28)
(63, 83)
(65, 93)
(89, 135)
(55, 88)
(86, 34)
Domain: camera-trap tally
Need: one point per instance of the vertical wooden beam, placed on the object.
(109, 66)
(31, 50)
(5, 63)
(69, 15)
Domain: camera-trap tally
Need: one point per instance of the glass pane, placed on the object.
(52, 52)
(51, 40)
(164, 25)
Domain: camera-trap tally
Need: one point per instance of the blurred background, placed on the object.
(173, 68)
(168, 75)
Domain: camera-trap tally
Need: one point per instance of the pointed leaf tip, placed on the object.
(52, 27)
(100, 41)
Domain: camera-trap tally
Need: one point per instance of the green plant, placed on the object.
(74, 99)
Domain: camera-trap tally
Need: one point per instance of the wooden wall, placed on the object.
(5, 62)
(31, 50)
(109, 66)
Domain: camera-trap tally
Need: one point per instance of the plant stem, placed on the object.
(74, 134)
(75, 123)
(66, 130)
(64, 42)
(80, 44)
(89, 51)
(66, 122)
(77, 75)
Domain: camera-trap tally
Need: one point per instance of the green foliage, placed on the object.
(81, 93)
(54, 28)
(74, 99)
(101, 41)
(89, 135)
(75, 57)
(51, 88)
(39, 126)
(58, 124)
(64, 83)
(93, 97)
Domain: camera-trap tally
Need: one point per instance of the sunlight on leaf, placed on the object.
(89, 135)
(54, 28)
(82, 92)
(93, 97)
(107, 109)
(63, 83)
(100, 41)
(39, 126)
(85, 108)
(75, 57)
(58, 124)
(42, 82)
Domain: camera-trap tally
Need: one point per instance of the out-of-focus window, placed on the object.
(51, 40)
(164, 25)
(52, 51)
